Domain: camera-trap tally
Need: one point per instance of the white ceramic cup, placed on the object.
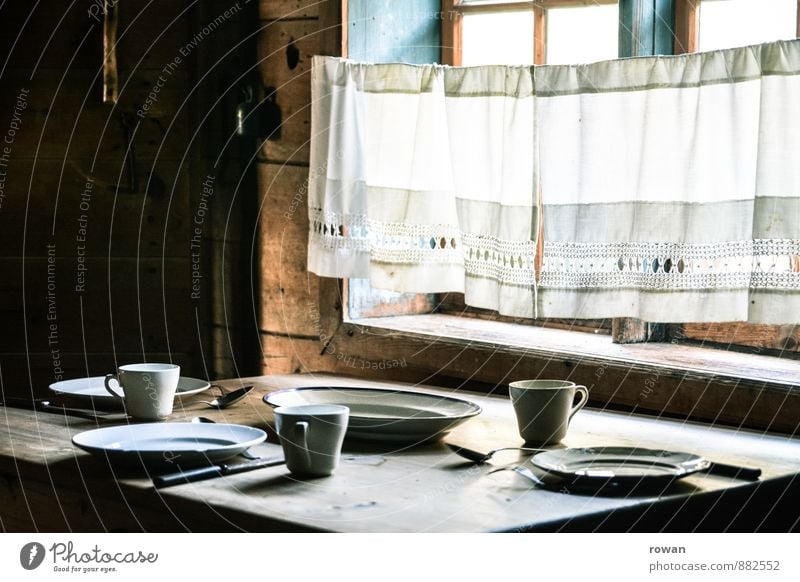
(148, 390)
(545, 407)
(312, 437)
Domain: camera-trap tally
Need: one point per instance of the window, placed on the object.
(574, 32)
(526, 33)
(497, 37)
(720, 24)
(596, 26)
(730, 23)
(541, 32)
(642, 377)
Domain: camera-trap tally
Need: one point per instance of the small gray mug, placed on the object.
(545, 407)
(312, 437)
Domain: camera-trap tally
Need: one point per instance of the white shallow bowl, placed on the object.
(618, 467)
(382, 414)
(94, 388)
(165, 445)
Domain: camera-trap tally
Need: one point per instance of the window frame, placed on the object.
(640, 378)
(686, 25)
(453, 10)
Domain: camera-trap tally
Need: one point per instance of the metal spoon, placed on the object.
(524, 471)
(205, 420)
(229, 399)
(480, 458)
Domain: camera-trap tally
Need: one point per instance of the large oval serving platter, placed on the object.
(382, 414)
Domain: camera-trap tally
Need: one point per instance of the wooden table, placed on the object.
(48, 485)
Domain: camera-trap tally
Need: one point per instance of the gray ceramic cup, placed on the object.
(545, 407)
(312, 437)
(147, 390)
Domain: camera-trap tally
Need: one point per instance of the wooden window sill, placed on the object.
(665, 380)
(704, 363)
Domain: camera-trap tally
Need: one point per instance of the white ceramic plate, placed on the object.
(619, 466)
(94, 388)
(385, 415)
(168, 445)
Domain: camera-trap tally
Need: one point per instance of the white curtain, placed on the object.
(421, 179)
(670, 186)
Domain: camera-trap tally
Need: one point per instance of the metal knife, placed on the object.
(202, 473)
(744, 473)
(42, 405)
(732, 471)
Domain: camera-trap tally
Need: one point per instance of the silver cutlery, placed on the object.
(203, 473)
(733, 471)
(228, 399)
(721, 469)
(88, 413)
(49, 407)
(520, 470)
(205, 420)
(480, 458)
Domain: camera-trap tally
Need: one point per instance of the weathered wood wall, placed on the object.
(293, 337)
(93, 274)
(292, 32)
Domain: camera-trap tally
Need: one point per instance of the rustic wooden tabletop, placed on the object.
(46, 484)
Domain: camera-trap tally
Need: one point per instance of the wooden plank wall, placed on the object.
(292, 32)
(92, 274)
(293, 336)
(224, 69)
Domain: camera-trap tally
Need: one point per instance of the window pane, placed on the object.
(582, 34)
(730, 23)
(497, 38)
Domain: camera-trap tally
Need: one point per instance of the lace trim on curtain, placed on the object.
(776, 264)
(334, 231)
(672, 266)
(406, 244)
(508, 262)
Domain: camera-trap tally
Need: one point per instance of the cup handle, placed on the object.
(301, 438)
(581, 403)
(107, 383)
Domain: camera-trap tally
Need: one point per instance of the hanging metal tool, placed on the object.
(110, 76)
(261, 119)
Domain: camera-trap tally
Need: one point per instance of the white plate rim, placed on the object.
(689, 463)
(474, 409)
(58, 387)
(129, 430)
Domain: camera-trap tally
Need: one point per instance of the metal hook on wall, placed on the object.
(261, 119)
(130, 152)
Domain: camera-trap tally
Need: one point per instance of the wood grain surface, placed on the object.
(46, 484)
